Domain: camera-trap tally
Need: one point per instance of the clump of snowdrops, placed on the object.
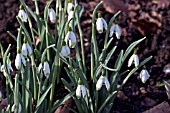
(38, 64)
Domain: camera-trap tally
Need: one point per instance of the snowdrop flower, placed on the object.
(22, 15)
(144, 75)
(134, 58)
(70, 38)
(103, 80)
(81, 90)
(100, 23)
(19, 60)
(40, 67)
(69, 6)
(26, 48)
(52, 15)
(71, 14)
(46, 69)
(65, 51)
(115, 29)
(19, 108)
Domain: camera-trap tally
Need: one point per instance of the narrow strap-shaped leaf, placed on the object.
(108, 98)
(42, 98)
(66, 84)
(73, 80)
(43, 54)
(14, 37)
(109, 55)
(61, 102)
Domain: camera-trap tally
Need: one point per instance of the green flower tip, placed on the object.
(20, 7)
(99, 15)
(135, 52)
(79, 82)
(25, 40)
(18, 51)
(69, 1)
(64, 43)
(69, 29)
(144, 67)
(116, 22)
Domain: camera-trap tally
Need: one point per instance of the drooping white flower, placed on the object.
(81, 90)
(40, 67)
(100, 23)
(134, 58)
(69, 6)
(22, 15)
(14, 107)
(70, 38)
(52, 15)
(71, 14)
(115, 29)
(102, 80)
(19, 60)
(46, 69)
(26, 49)
(65, 51)
(144, 75)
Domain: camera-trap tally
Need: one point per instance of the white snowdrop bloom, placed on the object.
(19, 60)
(71, 15)
(52, 15)
(134, 58)
(144, 75)
(39, 67)
(46, 69)
(22, 15)
(70, 38)
(69, 7)
(115, 29)
(103, 80)
(81, 90)
(100, 24)
(65, 51)
(26, 49)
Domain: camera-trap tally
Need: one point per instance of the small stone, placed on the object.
(143, 90)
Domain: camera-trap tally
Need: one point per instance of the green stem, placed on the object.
(36, 7)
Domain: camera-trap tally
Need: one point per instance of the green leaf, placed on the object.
(42, 98)
(14, 37)
(61, 102)
(108, 98)
(66, 84)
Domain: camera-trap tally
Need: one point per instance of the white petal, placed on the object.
(67, 37)
(69, 7)
(144, 76)
(78, 91)
(107, 83)
(23, 60)
(100, 83)
(2, 68)
(52, 15)
(19, 108)
(65, 51)
(136, 60)
(83, 89)
(147, 73)
(13, 108)
(117, 31)
(104, 23)
(46, 69)
(130, 60)
(22, 15)
(10, 67)
(18, 61)
(29, 49)
(24, 50)
(73, 39)
(112, 30)
(99, 25)
(39, 67)
(70, 15)
(0, 95)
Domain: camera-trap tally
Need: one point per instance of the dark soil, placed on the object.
(144, 18)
